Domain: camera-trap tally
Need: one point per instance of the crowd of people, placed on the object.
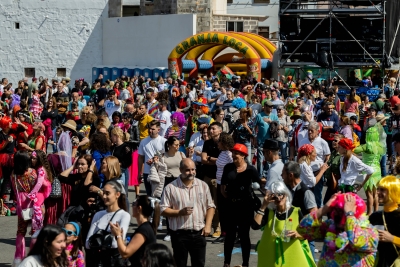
(70, 151)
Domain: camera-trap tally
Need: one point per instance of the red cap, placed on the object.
(184, 83)
(240, 148)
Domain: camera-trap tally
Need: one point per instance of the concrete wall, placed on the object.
(53, 34)
(247, 7)
(250, 24)
(144, 41)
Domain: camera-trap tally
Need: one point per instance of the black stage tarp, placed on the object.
(392, 19)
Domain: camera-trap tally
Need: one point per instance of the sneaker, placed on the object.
(219, 240)
(216, 234)
(167, 238)
(160, 226)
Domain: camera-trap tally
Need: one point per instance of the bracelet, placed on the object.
(73, 147)
(260, 212)
(91, 171)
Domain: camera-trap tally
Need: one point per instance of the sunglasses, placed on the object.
(69, 232)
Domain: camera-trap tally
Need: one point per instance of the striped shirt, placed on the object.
(177, 196)
(224, 158)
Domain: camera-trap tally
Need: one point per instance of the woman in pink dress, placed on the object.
(131, 127)
(23, 180)
(36, 107)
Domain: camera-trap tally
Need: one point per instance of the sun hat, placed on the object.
(70, 124)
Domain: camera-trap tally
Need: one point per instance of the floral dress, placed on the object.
(79, 261)
(355, 247)
(35, 107)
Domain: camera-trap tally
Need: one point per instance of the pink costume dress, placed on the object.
(38, 194)
(22, 186)
(35, 107)
(80, 259)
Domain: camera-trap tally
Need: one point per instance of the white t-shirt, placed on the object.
(322, 148)
(111, 108)
(148, 148)
(165, 121)
(31, 261)
(307, 175)
(102, 218)
(1, 88)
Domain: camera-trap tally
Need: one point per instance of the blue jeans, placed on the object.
(260, 160)
(283, 147)
(147, 185)
(312, 248)
(383, 165)
(125, 181)
(318, 192)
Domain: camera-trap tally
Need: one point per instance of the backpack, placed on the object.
(230, 119)
(273, 130)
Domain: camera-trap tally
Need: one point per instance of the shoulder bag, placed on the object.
(396, 262)
(102, 239)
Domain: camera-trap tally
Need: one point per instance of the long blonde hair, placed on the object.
(113, 166)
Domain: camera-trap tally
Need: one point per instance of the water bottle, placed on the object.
(289, 226)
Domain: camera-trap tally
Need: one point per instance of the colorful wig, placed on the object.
(5, 122)
(205, 109)
(180, 118)
(339, 202)
(239, 103)
(392, 184)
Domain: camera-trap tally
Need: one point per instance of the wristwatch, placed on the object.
(118, 236)
(350, 213)
(98, 192)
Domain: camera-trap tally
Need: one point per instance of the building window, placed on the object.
(261, 1)
(17, 25)
(229, 1)
(234, 26)
(264, 32)
(130, 11)
(61, 72)
(29, 72)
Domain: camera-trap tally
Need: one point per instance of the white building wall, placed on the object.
(144, 41)
(247, 7)
(53, 34)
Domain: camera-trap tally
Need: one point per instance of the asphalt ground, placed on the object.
(214, 254)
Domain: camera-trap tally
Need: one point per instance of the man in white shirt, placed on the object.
(163, 116)
(323, 155)
(112, 104)
(148, 147)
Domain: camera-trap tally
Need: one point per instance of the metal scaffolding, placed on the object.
(298, 43)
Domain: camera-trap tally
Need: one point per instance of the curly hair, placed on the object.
(99, 142)
(180, 118)
(163, 95)
(339, 202)
(226, 140)
(42, 161)
(239, 103)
